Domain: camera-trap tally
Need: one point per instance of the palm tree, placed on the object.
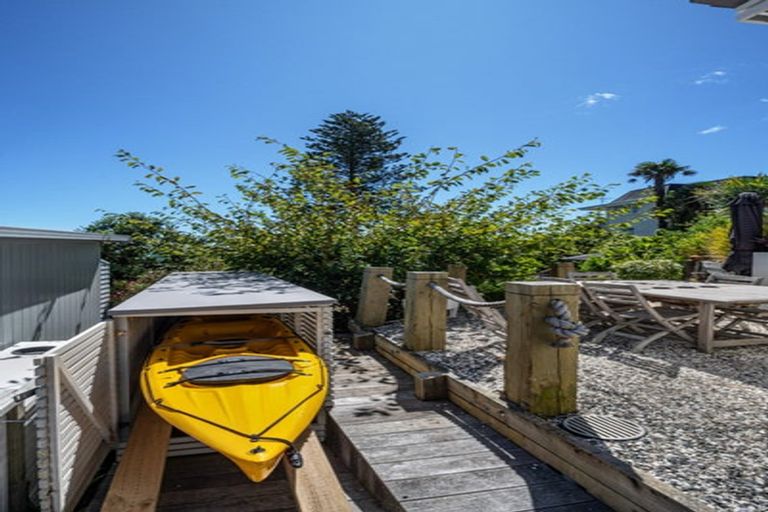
(659, 173)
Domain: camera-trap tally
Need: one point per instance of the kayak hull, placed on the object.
(251, 422)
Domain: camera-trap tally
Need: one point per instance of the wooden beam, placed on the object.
(374, 297)
(315, 485)
(425, 314)
(139, 475)
(539, 376)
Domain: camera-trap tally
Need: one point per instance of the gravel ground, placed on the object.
(706, 414)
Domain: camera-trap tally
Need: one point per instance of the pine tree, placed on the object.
(361, 150)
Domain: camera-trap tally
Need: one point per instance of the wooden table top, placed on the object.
(714, 293)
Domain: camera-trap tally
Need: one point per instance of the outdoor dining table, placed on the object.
(707, 297)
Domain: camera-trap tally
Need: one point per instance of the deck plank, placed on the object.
(420, 456)
(210, 482)
(136, 482)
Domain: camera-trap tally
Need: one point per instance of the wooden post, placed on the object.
(457, 271)
(374, 297)
(537, 376)
(15, 452)
(315, 485)
(425, 313)
(430, 385)
(563, 268)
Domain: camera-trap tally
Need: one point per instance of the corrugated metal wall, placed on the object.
(49, 289)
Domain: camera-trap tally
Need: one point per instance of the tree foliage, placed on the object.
(157, 246)
(717, 195)
(359, 148)
(301, 221)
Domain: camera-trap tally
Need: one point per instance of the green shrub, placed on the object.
(300, 222)
(649, 269)
(621, 247)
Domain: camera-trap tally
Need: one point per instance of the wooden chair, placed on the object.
(590, 313)
(737, 315)
(592, 276)
(725, 278)
(491, 317)
(709, 267)
(624, 306)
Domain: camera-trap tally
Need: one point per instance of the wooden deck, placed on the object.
(207, 483)
(421, 456)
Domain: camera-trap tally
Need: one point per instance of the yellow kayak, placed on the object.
(246, 388)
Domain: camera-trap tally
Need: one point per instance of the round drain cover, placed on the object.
(606, 428)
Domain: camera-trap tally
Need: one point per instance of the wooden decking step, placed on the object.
(420, 456)
(136, 484)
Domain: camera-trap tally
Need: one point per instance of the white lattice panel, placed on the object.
(76, 417)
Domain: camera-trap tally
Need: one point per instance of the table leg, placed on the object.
(706, 339)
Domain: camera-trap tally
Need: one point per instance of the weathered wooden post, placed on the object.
(374, 297)
(425, 313)
(458, 271)
(563, 268)
(430, 385)
(538, 376)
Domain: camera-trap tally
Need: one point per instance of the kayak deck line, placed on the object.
(213, 361)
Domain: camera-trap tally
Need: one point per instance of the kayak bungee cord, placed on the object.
(219, 375)
(294, 457)
(217, 360)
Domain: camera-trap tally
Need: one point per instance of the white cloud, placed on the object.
(712, 130)
(763, 100)
(714, 77)
(598, 97)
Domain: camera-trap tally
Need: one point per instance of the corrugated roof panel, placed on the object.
(190, 293)
(47, 234)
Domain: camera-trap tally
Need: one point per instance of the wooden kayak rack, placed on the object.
(136, 484)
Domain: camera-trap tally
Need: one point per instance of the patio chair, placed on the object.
(490, 316)
(589, 313)
(625, 307)
(736, 315)
(592, 276)
(725, 278)
(709, 267)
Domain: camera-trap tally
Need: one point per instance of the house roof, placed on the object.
(633, 196)
(732, 4)
(48, 234)
(628, 198)
(200, 293)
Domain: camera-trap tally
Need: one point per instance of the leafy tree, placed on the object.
(157, 246)
(659, 174)
(718, 194)
(363, 153)
(303, 223)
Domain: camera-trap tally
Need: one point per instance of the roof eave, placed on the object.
(48, 234)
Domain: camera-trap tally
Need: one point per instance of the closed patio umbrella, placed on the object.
(746, 232)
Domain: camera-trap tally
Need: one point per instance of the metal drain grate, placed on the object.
(606, 428)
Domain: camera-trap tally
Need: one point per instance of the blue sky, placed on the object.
(603, 84)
